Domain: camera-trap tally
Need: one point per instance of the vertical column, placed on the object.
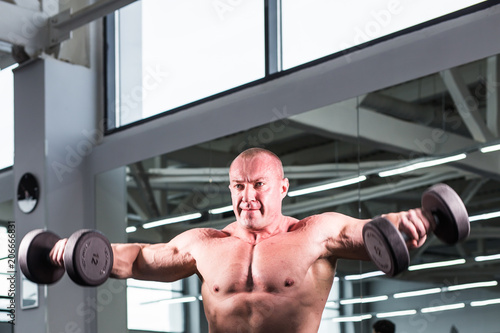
(55, 112)
(111, 204)
(273, 36)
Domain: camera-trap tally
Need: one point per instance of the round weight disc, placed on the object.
(88, 258)
(34, 262)
(452, 219)
(386, 246)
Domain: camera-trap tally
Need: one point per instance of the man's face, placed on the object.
(257, 189)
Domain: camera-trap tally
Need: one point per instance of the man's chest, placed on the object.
(274, 265)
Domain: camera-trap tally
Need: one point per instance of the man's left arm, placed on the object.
(344, 234)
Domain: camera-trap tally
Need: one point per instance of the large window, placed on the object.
(167, 54)
(6, 118)
(171, 53)
(317, 28)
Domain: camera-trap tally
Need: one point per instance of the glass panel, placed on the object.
(317, 28)
(447, 114)
(154, 306)
(185, 51)
(7, 117)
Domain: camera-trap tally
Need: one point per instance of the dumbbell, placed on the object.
(88, 257)
(449, 219)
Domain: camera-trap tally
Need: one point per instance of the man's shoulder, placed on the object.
(317, 220)
(207, 233)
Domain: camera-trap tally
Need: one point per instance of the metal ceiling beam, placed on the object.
(467, 105)
(22, 26)
(413, 140)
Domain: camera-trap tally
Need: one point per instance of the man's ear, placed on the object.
(285, 184)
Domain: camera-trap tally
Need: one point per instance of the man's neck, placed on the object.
(254, 236)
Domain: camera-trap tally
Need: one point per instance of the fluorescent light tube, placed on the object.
(363, 300)
(363, 276)
(418, 293)
(171, 220)
(421, 165)
(437, 264)
(328, 186)
(487, 258)
(443, 308)
(351, 318)
(221, 210)
(177, 300)
(485, 216)
(129, 230)
(472, 285)
(489, 149)
(396, 313)
(486, 302)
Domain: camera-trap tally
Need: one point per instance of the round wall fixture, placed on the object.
(28, 193)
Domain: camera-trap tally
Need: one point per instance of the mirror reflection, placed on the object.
(363, 157)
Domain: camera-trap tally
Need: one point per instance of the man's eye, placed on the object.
(238, 186)
(259, 184)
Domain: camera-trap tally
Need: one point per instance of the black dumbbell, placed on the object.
(88, 257)
(449, 220)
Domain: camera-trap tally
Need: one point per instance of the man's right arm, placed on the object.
(164, 262)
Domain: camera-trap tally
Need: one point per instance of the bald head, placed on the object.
(255, 152)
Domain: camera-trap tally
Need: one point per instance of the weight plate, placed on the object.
(452, 219)
(88, 257)
(386, 246)
(34, 261)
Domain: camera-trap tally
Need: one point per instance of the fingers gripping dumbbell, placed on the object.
(88, 257)
(449, 220)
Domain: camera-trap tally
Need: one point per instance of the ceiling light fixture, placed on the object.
(352, 318)
(437, 264)
(418, 293)
(485, 216)
(396, 313)
(489, 149)
(486, 302)
(363, 300)
(171, 220)
(443, 308)
(328, 186)
(487, 258)
(472, 285)
(221, 210)
(421, 165)
(129, 230)
(363, 276)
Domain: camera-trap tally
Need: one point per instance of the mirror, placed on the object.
(27, 193)
(436, 128)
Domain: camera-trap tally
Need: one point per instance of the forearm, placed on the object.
(153, 262)
(125, 257)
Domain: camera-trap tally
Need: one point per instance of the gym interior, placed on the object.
(124, 116)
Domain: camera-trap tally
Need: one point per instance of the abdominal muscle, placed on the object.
(259, 312)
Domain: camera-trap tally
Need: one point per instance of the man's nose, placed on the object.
(248, 194)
